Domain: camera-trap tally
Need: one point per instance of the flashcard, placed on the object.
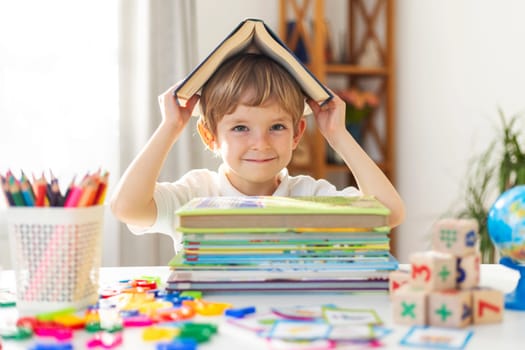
(256, 323)
(438, 338)
(7, 298)
(301, 312)
(299, 330)
(352, 333)
(320, 344)
(339, 316)
(381, 332)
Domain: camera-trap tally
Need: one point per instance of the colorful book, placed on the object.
(286, 285)
(249, 35)
(283, 212)
(349, 264)
(263, 275)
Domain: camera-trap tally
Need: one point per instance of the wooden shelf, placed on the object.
(367, 22)
(332, 168)
(333, 68)
(363, 27)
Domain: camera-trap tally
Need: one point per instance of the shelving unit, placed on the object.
(367, 21)
(363, 27)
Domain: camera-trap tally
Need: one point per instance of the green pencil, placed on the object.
(15, 192)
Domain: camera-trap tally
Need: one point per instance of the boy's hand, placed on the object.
(174, 115)
(330, 118)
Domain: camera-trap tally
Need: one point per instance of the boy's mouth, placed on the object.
(259, 160)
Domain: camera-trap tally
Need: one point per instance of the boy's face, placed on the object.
(256, 143)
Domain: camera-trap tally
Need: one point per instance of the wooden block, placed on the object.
(468, 271)
(488, 305)
(451, 308)
(409, 306)
(458, 237)
(396, 279)
(433, 270)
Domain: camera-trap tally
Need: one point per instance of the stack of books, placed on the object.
(283, 244)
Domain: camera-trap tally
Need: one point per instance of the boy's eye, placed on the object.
(278, 127)
(240, 128)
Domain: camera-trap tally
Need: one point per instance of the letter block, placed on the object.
(433, 270)
(488, 305)
(450, 308)
(458, 237)
(396, 279)
(409, 306)
(468, 273)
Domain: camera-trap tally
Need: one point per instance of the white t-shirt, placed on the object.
(169, 196)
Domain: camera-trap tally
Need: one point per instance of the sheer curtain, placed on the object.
(157, 48)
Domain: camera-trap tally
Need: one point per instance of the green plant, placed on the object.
(512, 163)
(477, 197)
(500, 167)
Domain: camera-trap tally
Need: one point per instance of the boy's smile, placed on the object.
(256, 143)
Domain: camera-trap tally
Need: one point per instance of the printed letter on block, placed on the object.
(468, 271)
(458, 237)
(409, 306)
(396, 279)
(433, 270)
(487, 305)
(451, 308)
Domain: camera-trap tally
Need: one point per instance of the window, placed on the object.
(59, 94)
(59, 87)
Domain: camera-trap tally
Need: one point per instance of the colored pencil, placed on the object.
(7, 193)
(74, 197)
(88, 194)
(27, 193)
(102, 187)
(40, 193)
(14, 188)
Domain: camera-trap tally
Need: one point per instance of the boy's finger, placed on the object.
(190, 104)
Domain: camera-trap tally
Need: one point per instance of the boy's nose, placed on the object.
(261, 140)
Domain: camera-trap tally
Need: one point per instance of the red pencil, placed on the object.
(41, 188)
(102, 187)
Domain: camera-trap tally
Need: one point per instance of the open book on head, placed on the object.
(250, 34)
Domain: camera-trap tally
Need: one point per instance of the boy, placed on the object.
(252, 116)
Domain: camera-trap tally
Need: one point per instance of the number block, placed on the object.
(488, 305)
(468, 273)
(409, 306)
(458, 237)
(397, 279)
(433, 270)
(451, 308)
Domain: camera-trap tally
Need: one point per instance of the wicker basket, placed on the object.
(56, 255)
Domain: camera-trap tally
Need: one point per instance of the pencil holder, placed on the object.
(56, 255)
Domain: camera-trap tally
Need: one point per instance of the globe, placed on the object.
(506, 224)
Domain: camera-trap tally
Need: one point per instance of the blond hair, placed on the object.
(251, 79)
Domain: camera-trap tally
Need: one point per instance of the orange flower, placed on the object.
(358, 99)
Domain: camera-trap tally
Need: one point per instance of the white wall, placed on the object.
(216, 20)
(457, 61)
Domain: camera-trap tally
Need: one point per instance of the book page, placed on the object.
(233, 44)
(275, 50)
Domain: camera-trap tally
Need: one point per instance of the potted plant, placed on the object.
(500, 167)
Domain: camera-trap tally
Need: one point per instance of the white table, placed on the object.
(508, 335)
